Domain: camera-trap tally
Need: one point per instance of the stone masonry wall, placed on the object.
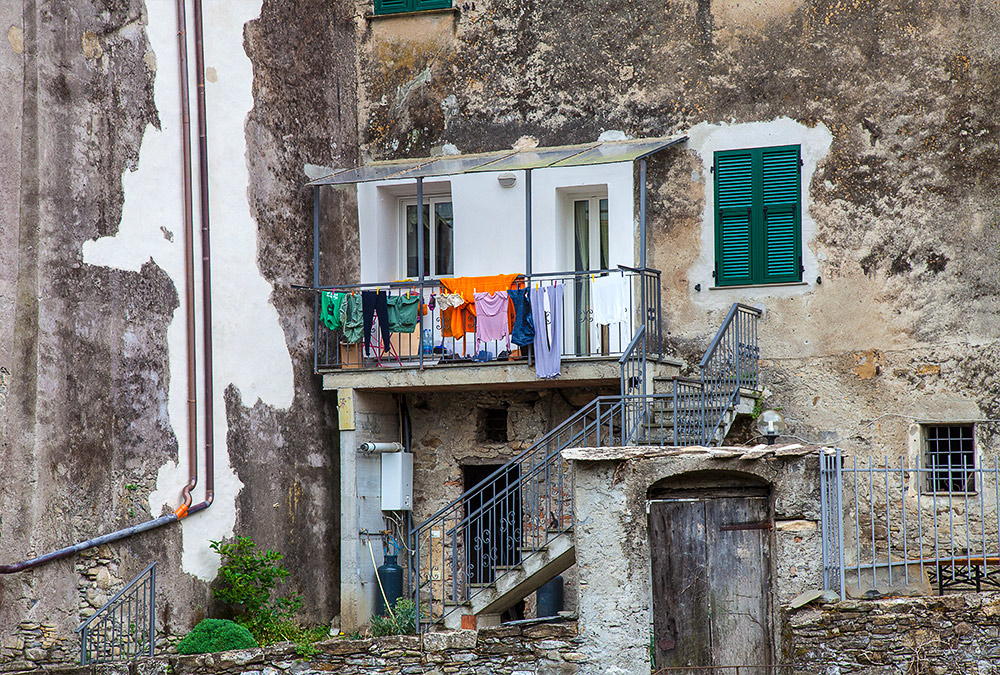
(541, 649)
(945, 634)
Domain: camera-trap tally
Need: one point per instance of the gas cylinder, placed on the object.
(391, 576)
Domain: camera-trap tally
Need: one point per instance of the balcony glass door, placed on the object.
(590, 252)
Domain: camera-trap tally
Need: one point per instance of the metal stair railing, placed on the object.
(632, 366)
(513, 514)
(493, 528)
(729, 365)
(125, 627)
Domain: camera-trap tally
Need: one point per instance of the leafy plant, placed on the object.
(247, 581)
(401, 621)
(216, 635)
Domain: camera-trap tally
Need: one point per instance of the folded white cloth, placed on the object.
(609, 299)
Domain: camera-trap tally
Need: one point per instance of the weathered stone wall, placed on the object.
(612, 535)
(86, 434)
(946, 634)
(543, 649)
(898, 315)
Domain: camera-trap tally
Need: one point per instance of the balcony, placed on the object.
(428, 359)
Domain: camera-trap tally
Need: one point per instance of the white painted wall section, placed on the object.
(706, 139)
(249, 346)
(489, 219)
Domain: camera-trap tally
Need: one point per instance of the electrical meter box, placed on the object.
(397, 481)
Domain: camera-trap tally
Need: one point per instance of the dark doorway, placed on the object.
(711, 578)
(493, 535)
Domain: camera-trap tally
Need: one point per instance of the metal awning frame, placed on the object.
(587, 154)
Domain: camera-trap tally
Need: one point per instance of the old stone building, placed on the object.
(828, 165)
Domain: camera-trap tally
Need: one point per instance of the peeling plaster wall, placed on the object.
(92, 347)
(892, 102)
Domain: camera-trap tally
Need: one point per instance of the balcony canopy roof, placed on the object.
(601, 152)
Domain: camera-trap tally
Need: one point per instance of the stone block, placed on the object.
(239, 657)
(394, 642)
(149, 666)
(565, 629)
(459, 639)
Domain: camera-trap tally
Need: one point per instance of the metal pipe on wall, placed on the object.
(185, 508)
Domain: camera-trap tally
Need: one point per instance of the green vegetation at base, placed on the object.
(216, 635)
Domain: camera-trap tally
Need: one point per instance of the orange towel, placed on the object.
(457, 321)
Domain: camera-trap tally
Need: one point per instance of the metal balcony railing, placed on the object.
(125, 627)
(426, 346)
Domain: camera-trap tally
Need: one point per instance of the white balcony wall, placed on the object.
(489, 233)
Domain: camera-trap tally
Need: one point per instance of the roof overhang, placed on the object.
(586, 154)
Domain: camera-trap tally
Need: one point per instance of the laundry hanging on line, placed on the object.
(609, 299)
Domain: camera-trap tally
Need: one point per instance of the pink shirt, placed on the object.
(491, 317)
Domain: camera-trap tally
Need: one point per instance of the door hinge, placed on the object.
(752, 525)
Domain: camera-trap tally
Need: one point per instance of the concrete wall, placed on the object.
(92, 350)
(612, 536)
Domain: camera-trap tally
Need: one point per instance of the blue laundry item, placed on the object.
(547, 303)
(524, 327)
(484, 355)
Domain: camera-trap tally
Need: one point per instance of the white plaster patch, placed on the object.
(249, 346)
(706, 139)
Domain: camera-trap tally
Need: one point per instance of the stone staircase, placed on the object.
(481, 563)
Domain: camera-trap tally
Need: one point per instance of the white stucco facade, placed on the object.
(245, 322)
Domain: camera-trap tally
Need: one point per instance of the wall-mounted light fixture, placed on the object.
(507, 179)
(770, 424)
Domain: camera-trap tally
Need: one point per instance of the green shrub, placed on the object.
(402, 620)
(216, 635)
(246, 582)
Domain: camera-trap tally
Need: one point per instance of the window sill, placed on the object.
(421, 12)
(784, 285)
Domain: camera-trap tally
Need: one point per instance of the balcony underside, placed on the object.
(576, 372)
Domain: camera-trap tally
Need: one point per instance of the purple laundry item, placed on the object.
(546, 311)
(491, 317)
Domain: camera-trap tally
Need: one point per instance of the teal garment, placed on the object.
(404, 313)
(329, 310)
(351, 318)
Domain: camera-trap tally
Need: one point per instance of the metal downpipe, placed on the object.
(185, 509)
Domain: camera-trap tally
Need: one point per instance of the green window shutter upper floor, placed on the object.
(431, 4)
(734, 202)
(758, 235)
(395, 6)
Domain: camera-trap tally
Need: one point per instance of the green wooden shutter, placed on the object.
(782, 231)
(733, 206)
(431, 4)
(391, 6)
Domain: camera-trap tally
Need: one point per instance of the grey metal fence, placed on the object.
(125, 627)
(893, 528)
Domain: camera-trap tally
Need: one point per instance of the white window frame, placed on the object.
(431, 245)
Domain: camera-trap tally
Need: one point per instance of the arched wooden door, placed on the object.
(711, 578)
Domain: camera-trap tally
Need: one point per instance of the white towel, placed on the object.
(609, 299)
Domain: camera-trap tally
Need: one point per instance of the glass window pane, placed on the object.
(605, 254)
(444, 254)
(411, 240)
(581, 238)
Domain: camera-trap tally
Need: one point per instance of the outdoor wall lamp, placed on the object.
(770, 424)
(506, 180)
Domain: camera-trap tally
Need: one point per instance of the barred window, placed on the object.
(950, 456)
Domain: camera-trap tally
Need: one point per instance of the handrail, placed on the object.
(128, 634)
(730, 315)
(517, 458)
(130, 585)
(639, 335)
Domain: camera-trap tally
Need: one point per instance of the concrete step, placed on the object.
(515, 582)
